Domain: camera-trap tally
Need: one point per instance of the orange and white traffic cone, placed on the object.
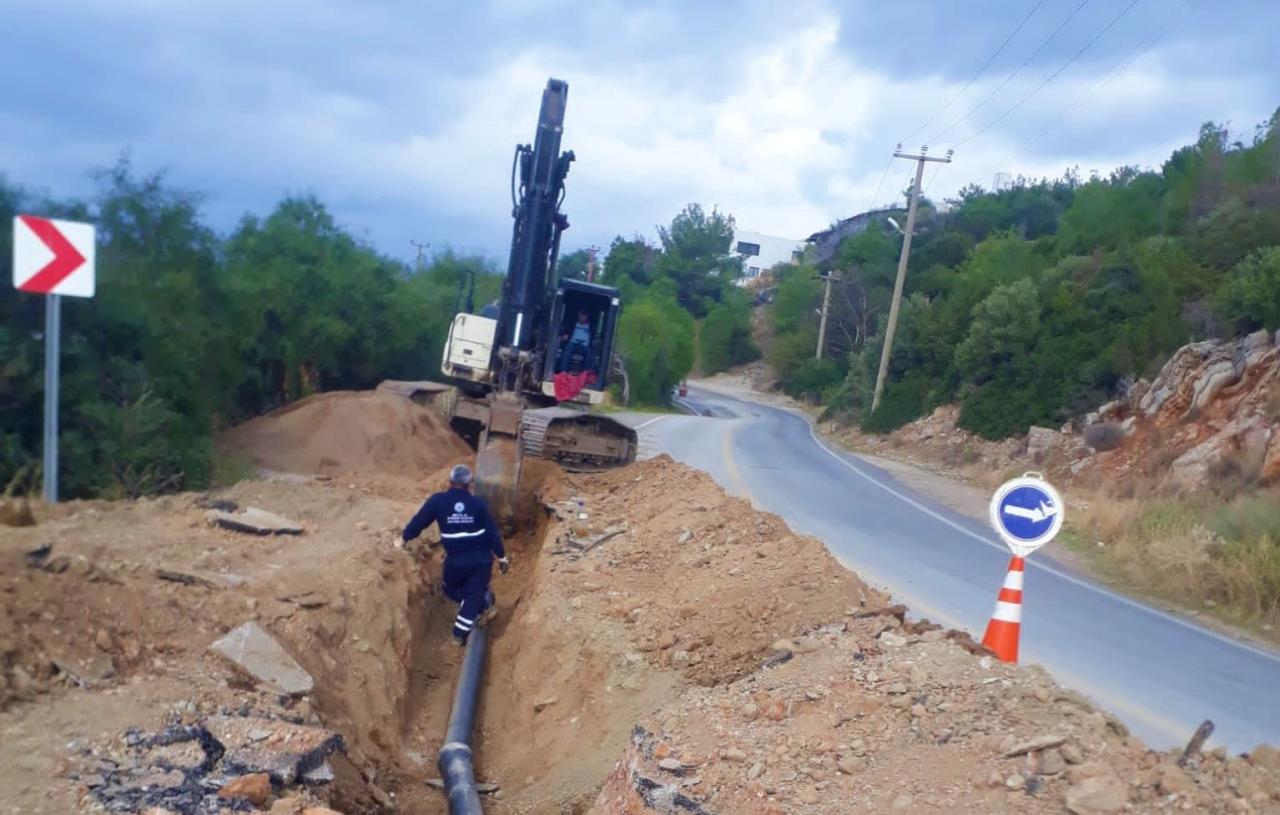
(1006, 620)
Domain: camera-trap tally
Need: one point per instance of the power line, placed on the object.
(880, 186)
(979, 73)
(1051, 76)
(1136, 53)
(1011, 76)
(932, 179)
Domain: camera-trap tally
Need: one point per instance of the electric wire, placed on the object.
(1050, 77)
(977, 74)
(1133, 56)
(1136, 53)
(1011, 76)
(929, 184)
(880, 186)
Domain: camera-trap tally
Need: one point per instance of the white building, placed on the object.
(760, 253)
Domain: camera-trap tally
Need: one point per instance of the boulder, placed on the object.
(1104, 435)
(1110, 411)
(1099, 795)
(1175, 372)
(1251, 350)
(254, 788)
(1210, 381)
(1041, 440)
(1038, 743)
(1244, 438)
(256, 653)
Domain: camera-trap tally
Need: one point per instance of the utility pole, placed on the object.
(902, 266)
(829, 277)
(591, 263)
(422, 248)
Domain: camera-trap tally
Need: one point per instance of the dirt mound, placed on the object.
(764, 678)
(704, 582)
(348, 431)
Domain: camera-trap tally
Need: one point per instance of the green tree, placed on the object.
(632, 260)
(573, 266)
(695, 256)
(724, 339)
(1002, 333)
(1249, 297)
(655, 341)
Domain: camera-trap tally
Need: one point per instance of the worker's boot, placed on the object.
(487, 615)
(459, 641)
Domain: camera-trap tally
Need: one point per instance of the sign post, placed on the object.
(1027, 513)
(52, 349)
(52, 258)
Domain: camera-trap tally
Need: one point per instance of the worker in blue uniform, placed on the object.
(471, 542)
(577, 341)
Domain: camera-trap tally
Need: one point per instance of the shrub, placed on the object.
(1249, 298)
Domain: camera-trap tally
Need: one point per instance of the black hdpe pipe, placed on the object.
(456, 767)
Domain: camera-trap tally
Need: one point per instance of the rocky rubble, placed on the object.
(222, 763)
(861, 722)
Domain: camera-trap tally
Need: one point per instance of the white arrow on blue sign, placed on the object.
(1027, 512)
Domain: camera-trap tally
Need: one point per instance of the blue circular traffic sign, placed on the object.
(1027, 512)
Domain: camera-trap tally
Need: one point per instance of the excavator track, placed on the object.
(577, 441)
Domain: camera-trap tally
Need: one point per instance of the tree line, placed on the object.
(191, 331)
(1033, 304)
(1026, 305)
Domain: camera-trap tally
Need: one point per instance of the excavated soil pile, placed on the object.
(348, 431)
(674, 652)
(809, 693)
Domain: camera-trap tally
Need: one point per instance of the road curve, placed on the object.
(1160, 674)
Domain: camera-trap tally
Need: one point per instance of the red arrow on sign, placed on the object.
(66, 258)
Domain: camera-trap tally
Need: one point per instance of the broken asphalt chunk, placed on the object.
(256, 653)
(254, 521)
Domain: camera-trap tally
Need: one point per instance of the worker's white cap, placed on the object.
(460, 474)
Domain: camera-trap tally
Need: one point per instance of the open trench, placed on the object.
(549, 726)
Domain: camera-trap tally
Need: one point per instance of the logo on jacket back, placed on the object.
(460, 515)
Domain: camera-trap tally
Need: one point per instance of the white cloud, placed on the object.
(787, 130)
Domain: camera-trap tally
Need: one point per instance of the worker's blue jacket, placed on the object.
(467, 530)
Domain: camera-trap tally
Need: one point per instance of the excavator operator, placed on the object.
(577, 341)
(471, 541)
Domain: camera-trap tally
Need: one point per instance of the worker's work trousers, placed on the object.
(467, 584)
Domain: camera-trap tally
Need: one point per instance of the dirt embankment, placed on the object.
(675, 652)
(348, 432)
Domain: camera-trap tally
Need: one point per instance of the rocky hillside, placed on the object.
(1212, 412)
(1212, 415)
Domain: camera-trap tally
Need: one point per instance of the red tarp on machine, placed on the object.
(568, 385)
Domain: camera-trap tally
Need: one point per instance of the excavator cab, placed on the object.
(569, 353)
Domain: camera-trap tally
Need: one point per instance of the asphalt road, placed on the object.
(1161, 674)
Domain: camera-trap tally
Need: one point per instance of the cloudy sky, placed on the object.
(401, 116)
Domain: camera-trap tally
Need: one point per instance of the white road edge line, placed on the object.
(693, 411)
(1036, 564)
(643, 425)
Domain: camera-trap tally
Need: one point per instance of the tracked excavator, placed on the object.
(528, 367)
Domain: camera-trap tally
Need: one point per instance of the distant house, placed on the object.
(760, 253)
(826, 241)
